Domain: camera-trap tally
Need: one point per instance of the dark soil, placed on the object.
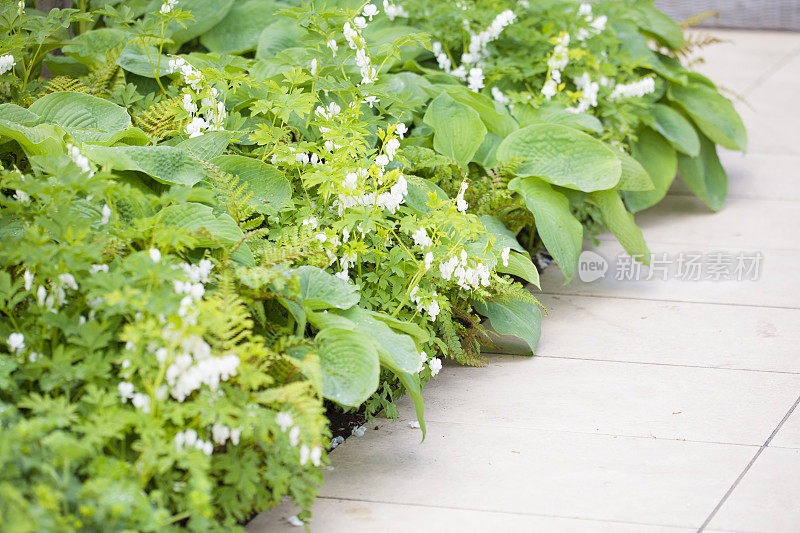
(342, 423)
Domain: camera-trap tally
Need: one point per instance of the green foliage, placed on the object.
(218, 215)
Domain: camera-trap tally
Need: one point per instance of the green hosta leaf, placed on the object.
(414, 389)
(713, 113)
(658, 25)
(350, 365)
(660, 161)
(495, 118)
(458, 130)
(239, 30)
(206, 146)
(419, 190)
(704, 175)
(676, 129)
(90, 48)
(206, 14)
(395, 348)
(320, 290)
(42, 139)
(520, 265)
(561, 232)
(563, 156)
(79, 111)
(620, 222)
(134, 59)
(166, 164)
(278, 36)
(514, 317)
(486, 156)
(18, 114)
(555, 113)
(634, 176)
(211, 230)
(503, 236)
(271, 190)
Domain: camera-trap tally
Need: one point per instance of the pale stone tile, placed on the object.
(634, 400)
(789, 434)
(680, 333)
(475, 466)
(778, 284)
(766, 500)
(742, 223)
(757, 176)
(332, 515)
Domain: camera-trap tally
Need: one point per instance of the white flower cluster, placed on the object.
(389, 200)
(6, 63)
(504, 255)
(468, 274)
(557, 61)
(634, 89)
(215, 114)
(589, 91)
(190, 439)
(596, 24)
(286, 422)
(138, 399)
(499, 97)
(168, 6)
(79, 159)
(352, 34)
(461, 204)
(471, 69)
(16, 342)
(221, 434)
(21, 7)
(394, 11)
(434, 364)
(195, 366)
(58, 288)
(429, 305)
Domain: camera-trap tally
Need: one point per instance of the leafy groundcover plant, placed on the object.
(217, 216)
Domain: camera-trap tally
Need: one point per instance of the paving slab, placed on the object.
(517, 470)
(788, 435)
(670, 333)
(766, 499)
(756, 176)
(649, 401)
(740, 224)
(777, 285)
(333, 515)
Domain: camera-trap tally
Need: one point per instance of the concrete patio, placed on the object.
(652, 405)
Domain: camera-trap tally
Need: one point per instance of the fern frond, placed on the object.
(160, 119)
(100, 78)
(65, 83)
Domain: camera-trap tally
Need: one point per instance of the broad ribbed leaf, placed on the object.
(134, 59)
(42, 139)
(239, 30)
(660, 161)
(79, 111)
(676, 129)
(458, 129)
(278, 36)
(561, 232)
(714, 114)
(350, 365)
(206, 146)
(514, 317)
(557, 114)
(704, 175)
(503, 236)
(634, 176)
(91, 47)
(320, 290)
(658, 25)
(563, 156)
(620, 222)
(496, 119)
(419, 190)
(18, 114)
(397, 348)
(166, 164)
(210, 229)
(520, 265)
(205, 13)
(271, 190)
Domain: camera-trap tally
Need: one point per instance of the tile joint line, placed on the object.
(747, 468)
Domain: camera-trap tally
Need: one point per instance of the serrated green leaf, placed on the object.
(561, 232)
(458, 129)
(562, 156)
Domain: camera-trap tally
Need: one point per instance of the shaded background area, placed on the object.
(750, 14)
